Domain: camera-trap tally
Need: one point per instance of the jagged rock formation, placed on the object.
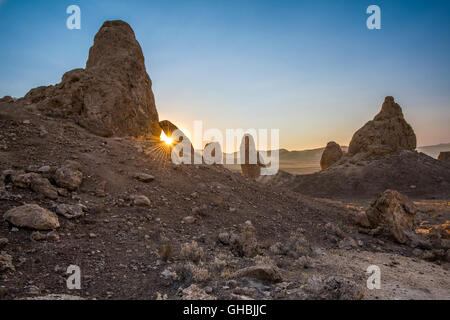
(444, 156)
(387, 133)
(394, 211)
(112, 96)
(381, 156)
(331, 155)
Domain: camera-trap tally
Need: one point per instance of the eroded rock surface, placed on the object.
(387, 133)
(112, 96)
(331, 155)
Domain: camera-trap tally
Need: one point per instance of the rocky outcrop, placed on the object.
(394, 211)
(69, 175)
(387, 133)
(444, 156)
(178, 136)
(112, 96)
(331, 155)
(32, 216)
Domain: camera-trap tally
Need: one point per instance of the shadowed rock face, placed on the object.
(394, 210)
(113, 95)
(387, 133)
(331, 155)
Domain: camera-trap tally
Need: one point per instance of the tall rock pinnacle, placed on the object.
(387, 133)
(113, 95)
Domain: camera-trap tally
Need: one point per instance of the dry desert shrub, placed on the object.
(191, 252)
(165, 252)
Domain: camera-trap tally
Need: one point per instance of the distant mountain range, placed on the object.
(433, 151)
(308, 161)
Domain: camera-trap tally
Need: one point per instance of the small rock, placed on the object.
(44, 169)
(43, 186)
(53, 236)
(169, 274)
(348, 243)
(69, 175)
(142, 201)
(143, 177)
(32, 216)
(189, 220)
(69, 211)
(224, 238)
(37, 236)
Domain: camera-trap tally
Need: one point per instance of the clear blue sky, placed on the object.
(310, 68)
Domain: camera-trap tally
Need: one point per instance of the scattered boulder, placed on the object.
(395, 211)
(141, 201)
(32, 216)
(444, 156)
(387, 133)
(143, 177)
(69, 211)
(23, 180)
(43, 186)
(260, 272)
(69, 175)
(189, 220)
(332, 154)
(35, 182)
(112, 95)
